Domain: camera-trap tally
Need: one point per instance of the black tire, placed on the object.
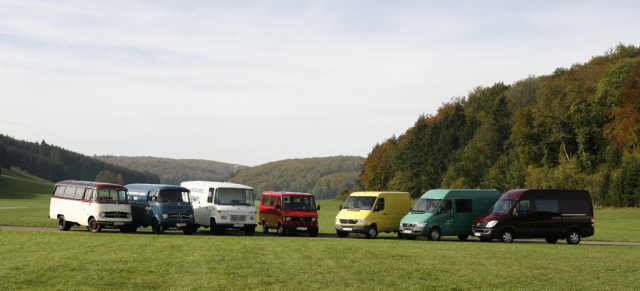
(573, 238)
(94, 226)
(156, 227)
(434, 234)
(131, 228)
(215, 229)
(506, 236)
(551, 240)
(265, 228)
(249, 230)
(400, 235)
(63, 224)
(463, 237)
(342, 234)
(410, 237)
(313, 232)
(373, 232)
(281, 230)
(189, 229)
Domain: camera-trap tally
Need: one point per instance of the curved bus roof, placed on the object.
(215, 184)
(286, 193)
(159, 187)
(88, 184)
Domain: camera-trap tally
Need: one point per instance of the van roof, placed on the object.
(287, 193)
(160, 187)
(376, 193)
(212, 184)
(89, 184)
(442, 193)
(544, 193)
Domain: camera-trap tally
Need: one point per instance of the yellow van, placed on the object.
(372, 212)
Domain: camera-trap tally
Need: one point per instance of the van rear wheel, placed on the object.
(463, 237)
(551, 240)
(574, 237)
(63, 224)
(265, 228)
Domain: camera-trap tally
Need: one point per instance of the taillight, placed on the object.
(592, 222)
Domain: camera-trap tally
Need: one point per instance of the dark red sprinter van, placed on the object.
(533, 213)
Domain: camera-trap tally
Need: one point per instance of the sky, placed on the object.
(251, 82)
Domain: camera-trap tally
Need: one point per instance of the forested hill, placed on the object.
(323, 177)
(578, 127)
(55, 164)
(175, 171)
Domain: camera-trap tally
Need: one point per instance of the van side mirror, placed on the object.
(514, 212)
(277, 206)
(318, 208)
(340, 206)
(376, 208)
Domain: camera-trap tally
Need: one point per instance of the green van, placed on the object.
(445, 212)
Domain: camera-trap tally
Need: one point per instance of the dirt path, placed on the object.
(321, 236)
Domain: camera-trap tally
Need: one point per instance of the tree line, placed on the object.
(576, 128)
(55, 164)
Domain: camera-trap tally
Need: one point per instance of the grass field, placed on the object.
(71, 260)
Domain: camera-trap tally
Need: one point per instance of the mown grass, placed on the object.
(71, 260)
(17, 190)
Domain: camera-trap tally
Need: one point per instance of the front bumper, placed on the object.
(414, 231)
(353, 228)
(487, 233)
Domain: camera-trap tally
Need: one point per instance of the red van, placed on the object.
(289, 212)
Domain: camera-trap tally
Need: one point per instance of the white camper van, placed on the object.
(222, 205)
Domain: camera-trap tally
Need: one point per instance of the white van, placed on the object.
(92, 204)
(223, 205)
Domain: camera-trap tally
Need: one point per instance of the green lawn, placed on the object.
(71, 260)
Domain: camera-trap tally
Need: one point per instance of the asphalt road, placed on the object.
(258, 233)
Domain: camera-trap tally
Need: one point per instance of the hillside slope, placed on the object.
(174, 171)
(323, 177)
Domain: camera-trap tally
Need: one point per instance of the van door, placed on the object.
(523, 220)
(380, 215)
(272, 215)
(460, 221)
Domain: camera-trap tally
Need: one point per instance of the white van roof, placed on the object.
(211, 184)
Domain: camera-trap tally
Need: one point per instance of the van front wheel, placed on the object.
(249, 230)
(281, 230)
(156, 227)
(373, 232)
(265, 228)
(506, 236)
(463, 237)
(434, 234)
(342, 233)
(94, 226)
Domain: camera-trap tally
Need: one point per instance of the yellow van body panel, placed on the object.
(396, 206)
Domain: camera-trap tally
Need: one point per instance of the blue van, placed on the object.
(161, 207)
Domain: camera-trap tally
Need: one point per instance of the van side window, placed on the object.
(273, 201)
(59, 191)
(446, 206)
(379, 205)
(153, 196)
(210, 196)
(547, 205)
(463, 206)
(79, 193)
(574, 206)
(523, 207)
(69, 192)
(265, 200)
(88, 195)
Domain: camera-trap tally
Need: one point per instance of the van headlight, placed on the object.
(165, 216)
(251, 218)
(313, 219)
(128, 215)
(422, 224)
(190, 216)
(288, 218)
(362, 221)
(102, 214)
(337, 220)
(492, 223)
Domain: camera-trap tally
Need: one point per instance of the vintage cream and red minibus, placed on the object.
(91, 204)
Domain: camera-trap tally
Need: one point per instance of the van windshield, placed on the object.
(173, 196)
(359, 202)
(234, 196)
(298, 203)
(425, 205)
(111, 194)
(503, 206)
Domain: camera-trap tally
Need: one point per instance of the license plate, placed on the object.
(406, 231)
(118, 223)
(347, 229)
(181, 224)
(476, 234)
(238, 225)
(301, 228)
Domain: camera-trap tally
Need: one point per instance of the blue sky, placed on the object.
(250, 82)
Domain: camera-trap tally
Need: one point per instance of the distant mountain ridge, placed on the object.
(324, 177)
(175, 171)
